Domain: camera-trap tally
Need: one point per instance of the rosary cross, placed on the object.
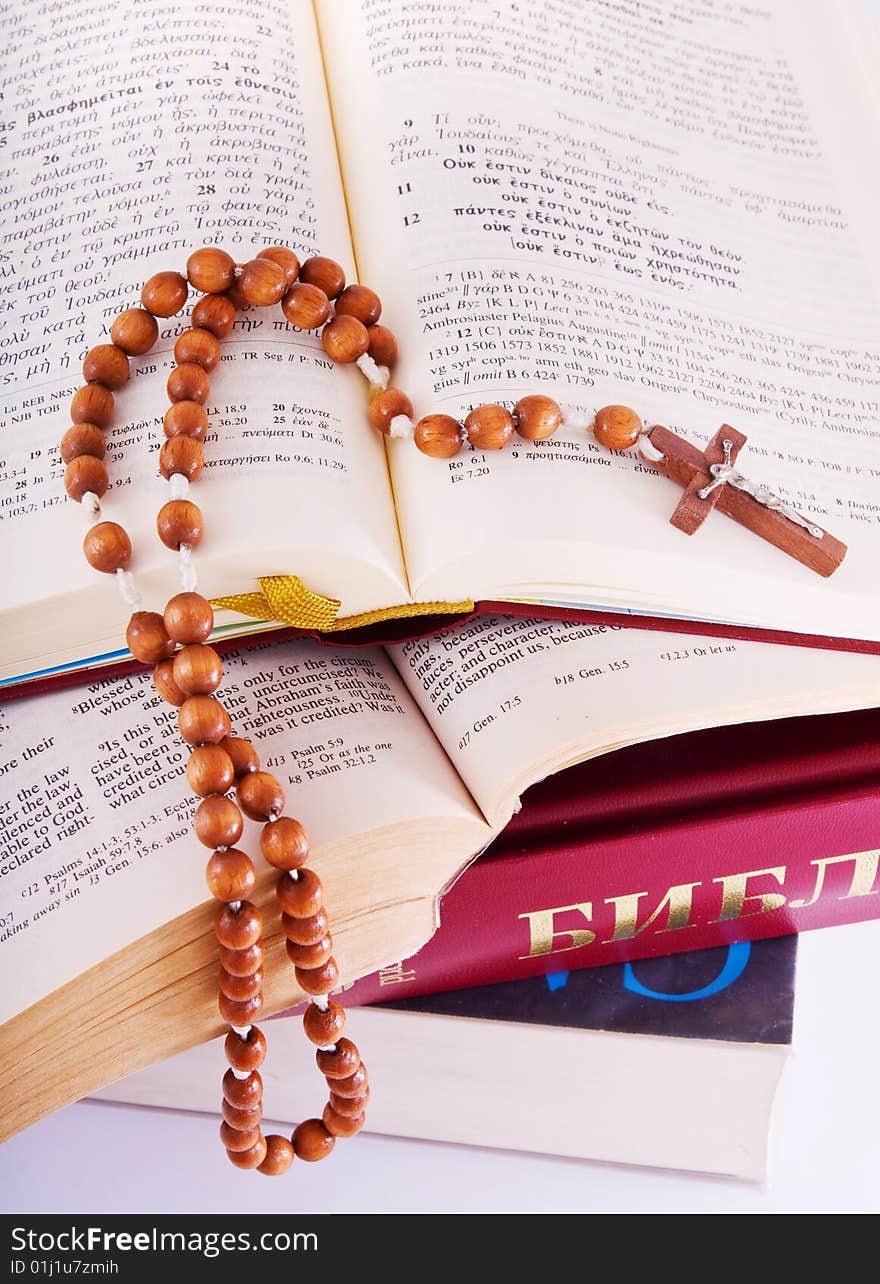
(711, 481)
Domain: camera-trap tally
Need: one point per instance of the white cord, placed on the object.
(376, 376)
(92, 505)
(401, 427)
(178, 485)
(241, 1030)
(321, 1002)
(128, 589)
(189, 580)
(574, 417)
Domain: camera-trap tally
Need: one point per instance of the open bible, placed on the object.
(666, 209)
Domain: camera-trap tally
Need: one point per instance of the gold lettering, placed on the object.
(735, 894)
(678, 903)
(864, 876)
(543, 931)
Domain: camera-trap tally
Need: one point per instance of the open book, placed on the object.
(565, 198)
(403, 764)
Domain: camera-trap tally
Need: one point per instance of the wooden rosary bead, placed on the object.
(341, 1062)
(285, 259)
(536, 417)
(163, 681)
(147, 639)
(186, 419)
(310, 956)
(189, 618)
(318, 980)
(107, 547)
(305, 306)
(353, 1085)
(284, 843)
(439, 436)
(210, 270)
(83, 439)
(245, 1094)
(245, 1051)
(83, 474)
(215, 312)
(279, 1156)
(92, 404)
(202, 720)
(348, 1107)
(305, 931)
(165, 294)
(243, 754)
(134, 331)
(262, 282)
(617, 427)
(239, 930)
(489, 427)
(209, 771)
(260, 795)
(188, 382)
(235, 296)
(235, 1012)
(360, 302)
(385, 405)
(197, 347)
(344, 339)
(182, 455)
(324, 1027)
(198, 670)
(236, 1141)
(300, 897)
(382, 345)
(106, 364)
(230, 875)
(241, 1119)
(179, 522)
(325, 273)
(311, 1141)
(217, 822)
(242, 962)
(249, 1158)
(339, 1126)
(241, 989)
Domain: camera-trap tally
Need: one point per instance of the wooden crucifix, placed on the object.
(711, 481)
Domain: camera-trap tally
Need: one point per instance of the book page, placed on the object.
(663, 208)
(132, 135)
(513, 700)
(98, 847)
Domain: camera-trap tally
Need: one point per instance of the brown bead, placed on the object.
(163, 681)
(188, 382)
(106, 364)
(305, 306)
(197, 347)
(236, 1141)
(239, 930)
(260, 795)
(617, 427)
(383, 345)
(324, 1027)
(179, 522)
(182, 455)
(245, 1094)
(326, 274)
(352, 1085)
(147, 639)
(318, 980)
(262, 282)
(216, 313)
(242, 962)
(202, 720)
(305, 931)
(385, 405)
(134, 331)
(311, 1141)
(285, 259)
(83, 474)
(164, 294)
(239, 1118)
(279, 1156)
(217, 822)
(341, 1062)
(489, 427)
(339, 1125)
(235, 296)
(345, 339)
(83, 439)
(438, 436)
(209, 771)
(349, 1107)
(300, 897)
(240, 1012)
(310, 956)
(198, 670)
(186, 419)
(107, 547)
(230, 876)
(210, 270)
(536, 417)
(243, 754)
(245, 1052)
(189, 617)
(241, 989)
(92, 404)
(249, 1158)
(284, 843)
(360, 302)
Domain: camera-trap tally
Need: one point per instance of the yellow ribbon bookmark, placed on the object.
(286, 600)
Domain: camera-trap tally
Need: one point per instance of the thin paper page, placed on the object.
(614, 205)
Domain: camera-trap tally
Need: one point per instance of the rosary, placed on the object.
(187, 672)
